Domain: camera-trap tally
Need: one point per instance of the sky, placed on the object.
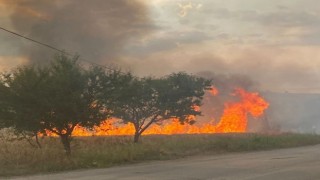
(275, 43)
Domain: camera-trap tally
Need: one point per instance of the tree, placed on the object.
(56, 98)
(22, 99)
(145, 101)
(4, 109)
(73, 98)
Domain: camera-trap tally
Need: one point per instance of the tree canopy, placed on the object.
(62, 95)
(22, 98)
(5, 113)
(55, 98)
(145, 101)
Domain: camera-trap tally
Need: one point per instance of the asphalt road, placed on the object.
(297, 163)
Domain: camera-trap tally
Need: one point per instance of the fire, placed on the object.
(235, 115)
(234, 119)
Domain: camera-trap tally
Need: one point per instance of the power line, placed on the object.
(54, 48)
(35, 41)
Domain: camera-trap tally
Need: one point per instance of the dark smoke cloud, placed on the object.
(96, 29)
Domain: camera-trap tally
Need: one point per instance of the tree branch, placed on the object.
(149, 123)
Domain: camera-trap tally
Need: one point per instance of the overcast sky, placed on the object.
(274, 42)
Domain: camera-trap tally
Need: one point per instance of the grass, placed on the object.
(19, 158)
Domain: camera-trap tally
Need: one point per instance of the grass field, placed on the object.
(18, 157)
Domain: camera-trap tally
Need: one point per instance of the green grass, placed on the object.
(19, 158)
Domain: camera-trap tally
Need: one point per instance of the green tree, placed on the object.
(145, 101)
(4, 108)
(56, 98)
(21, 98)
(73, 98)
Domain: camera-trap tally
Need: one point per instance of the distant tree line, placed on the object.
(58, 97)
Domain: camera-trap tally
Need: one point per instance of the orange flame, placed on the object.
(234, 119)
(235, 115)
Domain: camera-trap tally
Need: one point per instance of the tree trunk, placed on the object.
(37, 141)
(65, 140)
(136, 137)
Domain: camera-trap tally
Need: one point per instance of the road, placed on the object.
(296, 163)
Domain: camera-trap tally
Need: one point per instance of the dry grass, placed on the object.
(18, 157)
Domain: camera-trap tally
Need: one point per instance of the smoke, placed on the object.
(294, 112)
(226, 84)
(96, 29)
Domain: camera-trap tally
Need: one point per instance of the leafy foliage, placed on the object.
(4, 109)
(72, 98)
(145, 101)
(22, 96)
(55, 99)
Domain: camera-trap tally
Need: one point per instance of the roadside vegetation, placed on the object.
(61, 95)
(17, 157)
(55, 98)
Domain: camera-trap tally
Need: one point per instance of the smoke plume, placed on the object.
(96, 29)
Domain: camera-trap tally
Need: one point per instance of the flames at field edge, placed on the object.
(234, 120)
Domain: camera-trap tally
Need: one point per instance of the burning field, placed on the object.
(196, 82)
(234, 119)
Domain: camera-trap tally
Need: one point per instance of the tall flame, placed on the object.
(234, 119)
(235, 116)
